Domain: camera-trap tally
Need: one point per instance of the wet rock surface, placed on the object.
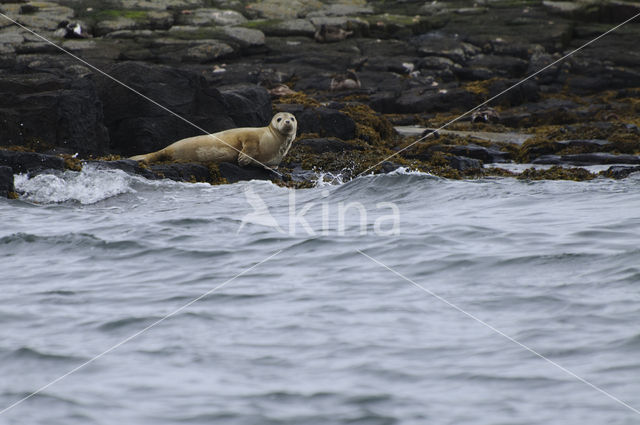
(7, 188)
(352, 71)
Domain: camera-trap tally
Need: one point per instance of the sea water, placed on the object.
(492, 301)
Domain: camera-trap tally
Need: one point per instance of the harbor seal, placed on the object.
(264, 146)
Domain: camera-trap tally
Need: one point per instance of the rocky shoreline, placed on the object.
(365, 80)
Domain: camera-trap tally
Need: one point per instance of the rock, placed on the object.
(245, 37)
(40, 16)
(283, 9)
(28, 162)
(619, 171)
(326, 122)
(185, 93)
(209, 17)
(462, 163)
(108, 22)
(584, 143)
(7, 188)
(342, 22)
(323, 145)
(342, 10)
(500, 66)
(429, 100)
(487, 155)
(127, 165)
(548, 160)
(41, 108)
(288, 28)
(207, 51)
(439, 45)
(234, 173)
(562, 7)
(527, 91)
(247, 105)
(588, 159)
(389, 166)
(187, 172)
(117, 24)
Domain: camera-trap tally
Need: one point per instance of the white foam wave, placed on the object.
(86, 187)
(408, 172)
(323, 179)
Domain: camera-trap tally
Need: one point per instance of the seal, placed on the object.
(265, 146)
(346, 81)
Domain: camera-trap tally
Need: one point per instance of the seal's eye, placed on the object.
(293, 119)
(279, 119)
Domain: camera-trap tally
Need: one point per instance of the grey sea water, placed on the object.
(320, 334)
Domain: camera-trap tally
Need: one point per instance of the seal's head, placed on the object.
(285, 123)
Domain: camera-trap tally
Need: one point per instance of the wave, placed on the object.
(71, 240)
(27, 353)
(89, 186)
(86, 187)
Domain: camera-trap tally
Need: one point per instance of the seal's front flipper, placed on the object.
(249, 152)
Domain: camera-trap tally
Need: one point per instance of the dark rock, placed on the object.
(600, 158)
(584, 143)
(388, 166)
(137, 125)
(501, 66)
(184, 172)
(323, 145)
(619, 171)
(587, 159)
(487, 155)
(326, 122)
(247, 105)
(527, 91)
(548, 160)
(234, 173)
(462, 163)
(127, 165)
(421, 100)
(27, 162)
(436, 44)
(6, 182)
(52, 111)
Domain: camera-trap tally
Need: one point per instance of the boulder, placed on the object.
(389, 167)
(587, 159)
(500, 65)
(523, 92)
(323, 145)
(203, 108)
(487, 155)
(7, 188)
(283, 9)
(245, 37)
(420, 100)
(436, 44)
(127, 165)
(619, 171)
(184, 172)
(288, 28)
(326, 122)
(206, 51)
(47, 110)
(234, 173)
(29, 162)
(132, 20)
(211, 17)
(462, 163)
